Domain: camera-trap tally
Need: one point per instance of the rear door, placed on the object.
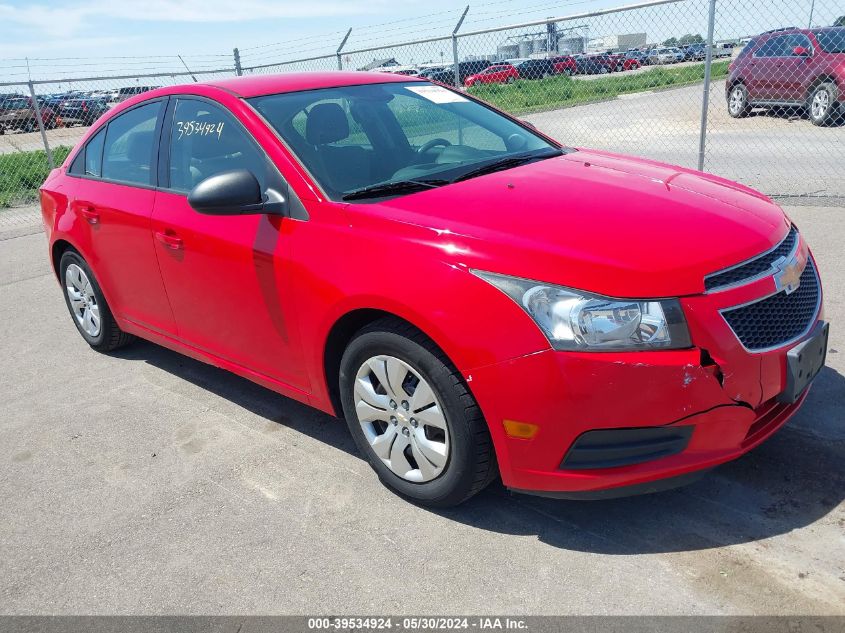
(114, 201)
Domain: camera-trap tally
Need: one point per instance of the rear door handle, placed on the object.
(89, 213)
(169, 239)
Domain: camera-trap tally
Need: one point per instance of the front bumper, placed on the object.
(719, 399)
(567, 395)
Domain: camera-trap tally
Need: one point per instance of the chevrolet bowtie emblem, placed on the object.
(788, 272)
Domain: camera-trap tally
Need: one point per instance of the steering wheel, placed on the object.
(432, 143)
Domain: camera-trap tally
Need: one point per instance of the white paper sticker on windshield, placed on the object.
(437, 94)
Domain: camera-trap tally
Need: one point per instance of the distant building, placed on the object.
(621, 42)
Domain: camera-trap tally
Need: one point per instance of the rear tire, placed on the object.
(738, 106)
(465, 462)
(87, 305)
(823, 105)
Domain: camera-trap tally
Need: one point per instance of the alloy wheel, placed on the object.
(83, 301)
(820, 105)
(402, 419)
(737, 101)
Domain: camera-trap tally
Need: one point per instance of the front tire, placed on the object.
(413, 417)
(738, 106)
(87, 306)
(823, 103)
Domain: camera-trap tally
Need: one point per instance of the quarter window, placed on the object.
(94, 154)
(129, 144)
(205, 140)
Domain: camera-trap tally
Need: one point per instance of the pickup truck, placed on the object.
(18, 113)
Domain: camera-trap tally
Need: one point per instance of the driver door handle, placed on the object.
(169, 239)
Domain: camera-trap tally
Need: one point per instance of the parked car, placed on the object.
(595, 64)
(665, 56)
(694, 52)
(465, 69)
(635, 59)
(17, 112)
(565, 65)
(589, 332)
(621, 62)
(800, 68)
(131, 91)
(426, 73)
(82, 111)
(498, 74)
(536, 69)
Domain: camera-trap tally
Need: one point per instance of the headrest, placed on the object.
(138, 147)
(326, 123)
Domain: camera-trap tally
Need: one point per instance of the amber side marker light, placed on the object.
(520, 430)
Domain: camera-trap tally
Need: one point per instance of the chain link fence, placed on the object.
(745, 89)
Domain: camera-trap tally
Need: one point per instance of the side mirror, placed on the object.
(528, 124)
(800, 51)
(235, 192)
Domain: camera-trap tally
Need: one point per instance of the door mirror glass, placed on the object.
(235, 192)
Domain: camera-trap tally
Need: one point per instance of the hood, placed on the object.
(595, 221)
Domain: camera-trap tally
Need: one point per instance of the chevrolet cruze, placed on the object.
(476, 299)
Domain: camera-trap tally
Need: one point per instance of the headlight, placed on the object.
(576, 320)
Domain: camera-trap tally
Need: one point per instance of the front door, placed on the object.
(227, 277)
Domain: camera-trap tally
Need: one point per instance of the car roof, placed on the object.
(258, 85)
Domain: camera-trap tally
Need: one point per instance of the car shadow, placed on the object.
(256, 399)
(794, 113)
(791, 481)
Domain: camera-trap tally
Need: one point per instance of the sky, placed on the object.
(61, 37)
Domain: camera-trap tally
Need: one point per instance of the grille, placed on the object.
(754, 267)
(778, 319)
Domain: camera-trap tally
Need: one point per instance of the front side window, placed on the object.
(794, 41)
(206, 140)
(358, 137)
(129, 145)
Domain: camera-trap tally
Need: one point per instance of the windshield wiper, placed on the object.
(390, 188)
(507, 162)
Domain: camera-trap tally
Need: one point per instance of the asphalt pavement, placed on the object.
(144, 482)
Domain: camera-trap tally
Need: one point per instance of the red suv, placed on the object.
(790, 67)
(473, 297)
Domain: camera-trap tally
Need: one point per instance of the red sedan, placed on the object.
(565, 65)
(474, 298)
(498, 74)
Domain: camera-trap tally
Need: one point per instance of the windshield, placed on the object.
(832, 41)
(353, 138)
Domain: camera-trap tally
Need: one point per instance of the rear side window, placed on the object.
(94, 154)
(129, 144)
(206, 140)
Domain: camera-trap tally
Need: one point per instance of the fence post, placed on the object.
(705, 97)
(455, 48)
(37, 108)
(238, 70)
(340, 48)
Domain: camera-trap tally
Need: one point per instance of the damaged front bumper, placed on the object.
(615, 423)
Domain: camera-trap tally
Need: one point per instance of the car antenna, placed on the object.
(186, 68)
